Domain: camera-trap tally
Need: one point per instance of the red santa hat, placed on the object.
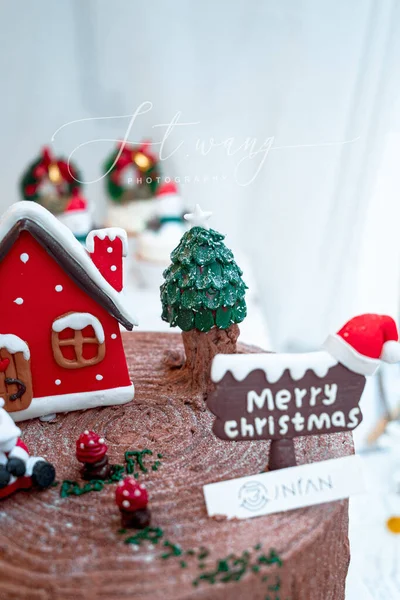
(365, 341)
(77, 202)
(166, 189)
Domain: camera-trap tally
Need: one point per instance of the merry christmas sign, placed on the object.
(282, 396)
(277, 396)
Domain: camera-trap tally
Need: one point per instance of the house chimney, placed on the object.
(106, 248)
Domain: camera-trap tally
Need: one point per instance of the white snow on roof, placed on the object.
(28, 209)
(14, 344)
(111, 233)
(273, 365)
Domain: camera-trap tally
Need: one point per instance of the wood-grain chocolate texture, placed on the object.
(54, 548)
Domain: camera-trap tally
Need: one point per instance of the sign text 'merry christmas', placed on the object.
(260, 397)
(267, 402)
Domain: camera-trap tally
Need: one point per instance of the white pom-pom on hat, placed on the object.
(391, 352)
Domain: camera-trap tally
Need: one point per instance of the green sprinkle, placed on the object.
(159, 455)
(72, 488)
(183, 564)
(136, 456)
(117, 473)
(174, 550)
(150, 534)
(227, 569)
(203, 553)
(190, 552)
(233, 568)
(258, 547)
(122, 530)
(273, 558)
(276, 586)
(55, 484)
(136, 475)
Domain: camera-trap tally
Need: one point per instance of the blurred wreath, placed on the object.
(145, 165)
(50, 181)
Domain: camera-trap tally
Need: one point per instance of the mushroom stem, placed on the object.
(98, 470)
(137, 519)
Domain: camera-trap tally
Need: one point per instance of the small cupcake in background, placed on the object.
(163, 233)
(131, 176)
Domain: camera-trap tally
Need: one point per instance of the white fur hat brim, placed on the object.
(349, 357)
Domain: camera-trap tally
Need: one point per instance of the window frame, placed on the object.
(77, 342)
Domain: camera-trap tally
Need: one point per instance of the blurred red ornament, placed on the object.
(167, 188)
(30, 190)
(47, 157)
(77, 202)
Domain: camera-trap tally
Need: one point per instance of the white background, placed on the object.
(309, 73)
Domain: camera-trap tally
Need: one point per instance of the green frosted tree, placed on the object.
(204, 295)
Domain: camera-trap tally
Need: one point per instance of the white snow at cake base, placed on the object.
(273, 365)
(78, 401)
(79, 321)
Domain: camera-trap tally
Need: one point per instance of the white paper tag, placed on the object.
(286, 489)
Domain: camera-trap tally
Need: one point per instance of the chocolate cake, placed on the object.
(57, 545)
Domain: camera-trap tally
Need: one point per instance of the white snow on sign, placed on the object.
(273, 365)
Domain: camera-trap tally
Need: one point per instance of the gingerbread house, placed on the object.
(61, 309)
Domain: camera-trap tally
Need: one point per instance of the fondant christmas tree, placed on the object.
(203, 294)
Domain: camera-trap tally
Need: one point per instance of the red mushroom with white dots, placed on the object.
(91, 450)
(132, 500)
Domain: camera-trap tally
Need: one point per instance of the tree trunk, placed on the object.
(200, 349)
